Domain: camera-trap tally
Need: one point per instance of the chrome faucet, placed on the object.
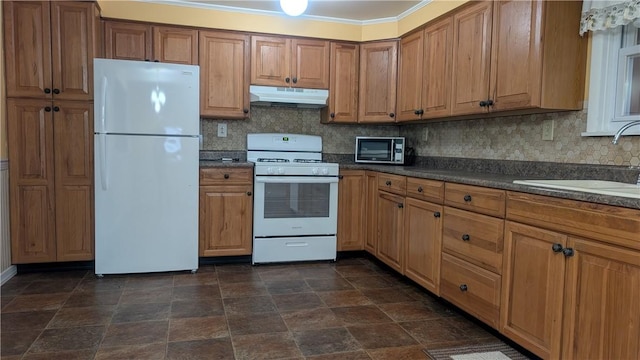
(623, 129)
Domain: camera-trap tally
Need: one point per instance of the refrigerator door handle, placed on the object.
(103, 109)
(103, 161)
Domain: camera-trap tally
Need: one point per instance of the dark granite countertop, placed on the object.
(498, 174)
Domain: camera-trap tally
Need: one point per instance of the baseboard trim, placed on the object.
(10, 272)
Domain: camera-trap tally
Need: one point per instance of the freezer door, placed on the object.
(146, 204)
(139, 97)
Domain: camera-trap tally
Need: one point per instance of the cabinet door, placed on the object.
(73, 143)
(423, 243)
(310, 63)
(270, 61)
(436, 83)
(390, 229)
(516, 63)
(224, 74)
(175, 45)
(532, 289)
(351, 210)
(73, 37)
(601, 312)
(471, 58)
(127, 41)
(27, 44)
(226, 218)
(343, 84)
(371, 238)
(378, 75)
(31, 181)
(410, 77)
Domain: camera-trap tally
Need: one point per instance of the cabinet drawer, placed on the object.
(473, 289)
(396, 184)
(226, 176)
(476, 238)
(427, 190)
(475, 198)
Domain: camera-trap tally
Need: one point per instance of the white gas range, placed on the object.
(295, 212)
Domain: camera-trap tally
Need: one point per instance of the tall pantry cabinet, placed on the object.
(49, 51)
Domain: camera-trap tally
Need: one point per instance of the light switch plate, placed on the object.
(547, 130)
(222, 130)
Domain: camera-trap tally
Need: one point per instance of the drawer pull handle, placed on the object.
(436, 214)
(463, 287)
(568, 252)
(388, 183)
(467, 198)
(420, 189)
(226, 176)
(400, 205)
(556, 248)
(466, 237)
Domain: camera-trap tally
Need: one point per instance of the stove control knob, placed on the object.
(325, 171)
(270, 170)
(280, 171)
(314, 171)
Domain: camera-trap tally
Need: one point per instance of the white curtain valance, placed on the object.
(601, 15)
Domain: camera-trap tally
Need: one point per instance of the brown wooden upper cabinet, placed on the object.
(516, 55)
(378, 76)
(291, 62)
(139, 41)
(49, 49)
(224, 74)
(343, 84)
(424, 72)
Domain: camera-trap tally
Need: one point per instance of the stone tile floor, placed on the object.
(351, 309)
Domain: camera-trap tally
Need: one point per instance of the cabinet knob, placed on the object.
(391, 115)
(388, 183)
(332, 115)
(295, 80)
(56, 109)
(489, 102)
(245, 110)
(556, 247)
(156, 60)
(56, 91)
(248, 193)
(567, 252)
(47, 108)
(400, 205)
(436, 214)
(467, 198)
(226, 176)
(147, 60)
(420, 189)
(287, 80)
(421, 112)
(47, 91)
(340, 177)
(483, 103)
(466, 237)
(417, 112)
(463, 287)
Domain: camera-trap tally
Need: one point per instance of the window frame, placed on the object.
(605, 85)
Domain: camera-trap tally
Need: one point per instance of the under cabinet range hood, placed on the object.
(290, 97)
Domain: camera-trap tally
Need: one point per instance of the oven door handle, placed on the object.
(297, 179)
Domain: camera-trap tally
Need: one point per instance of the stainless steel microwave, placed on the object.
(380, 150)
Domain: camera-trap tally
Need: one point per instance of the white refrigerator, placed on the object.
(146, 166)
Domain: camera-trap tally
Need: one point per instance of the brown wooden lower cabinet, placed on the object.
(51, 180)
(390, 224)
(226, 212)
(371, 213)
(351, 204)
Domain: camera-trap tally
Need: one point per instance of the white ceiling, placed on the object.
(346, 10)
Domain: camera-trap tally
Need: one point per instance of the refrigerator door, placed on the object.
(146, 203)
(140, 97)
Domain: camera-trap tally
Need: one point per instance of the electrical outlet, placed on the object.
(222, 130)
(425, 135)
(547, 130)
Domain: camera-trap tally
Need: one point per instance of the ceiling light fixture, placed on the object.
(293, 7)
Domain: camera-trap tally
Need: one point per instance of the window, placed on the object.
(614, 85)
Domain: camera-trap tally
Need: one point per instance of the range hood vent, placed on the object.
(288, 97)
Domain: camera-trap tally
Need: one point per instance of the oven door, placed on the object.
(295, 205)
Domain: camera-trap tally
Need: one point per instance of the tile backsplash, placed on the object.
(503, 138)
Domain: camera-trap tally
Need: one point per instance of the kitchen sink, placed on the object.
(591, 186)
